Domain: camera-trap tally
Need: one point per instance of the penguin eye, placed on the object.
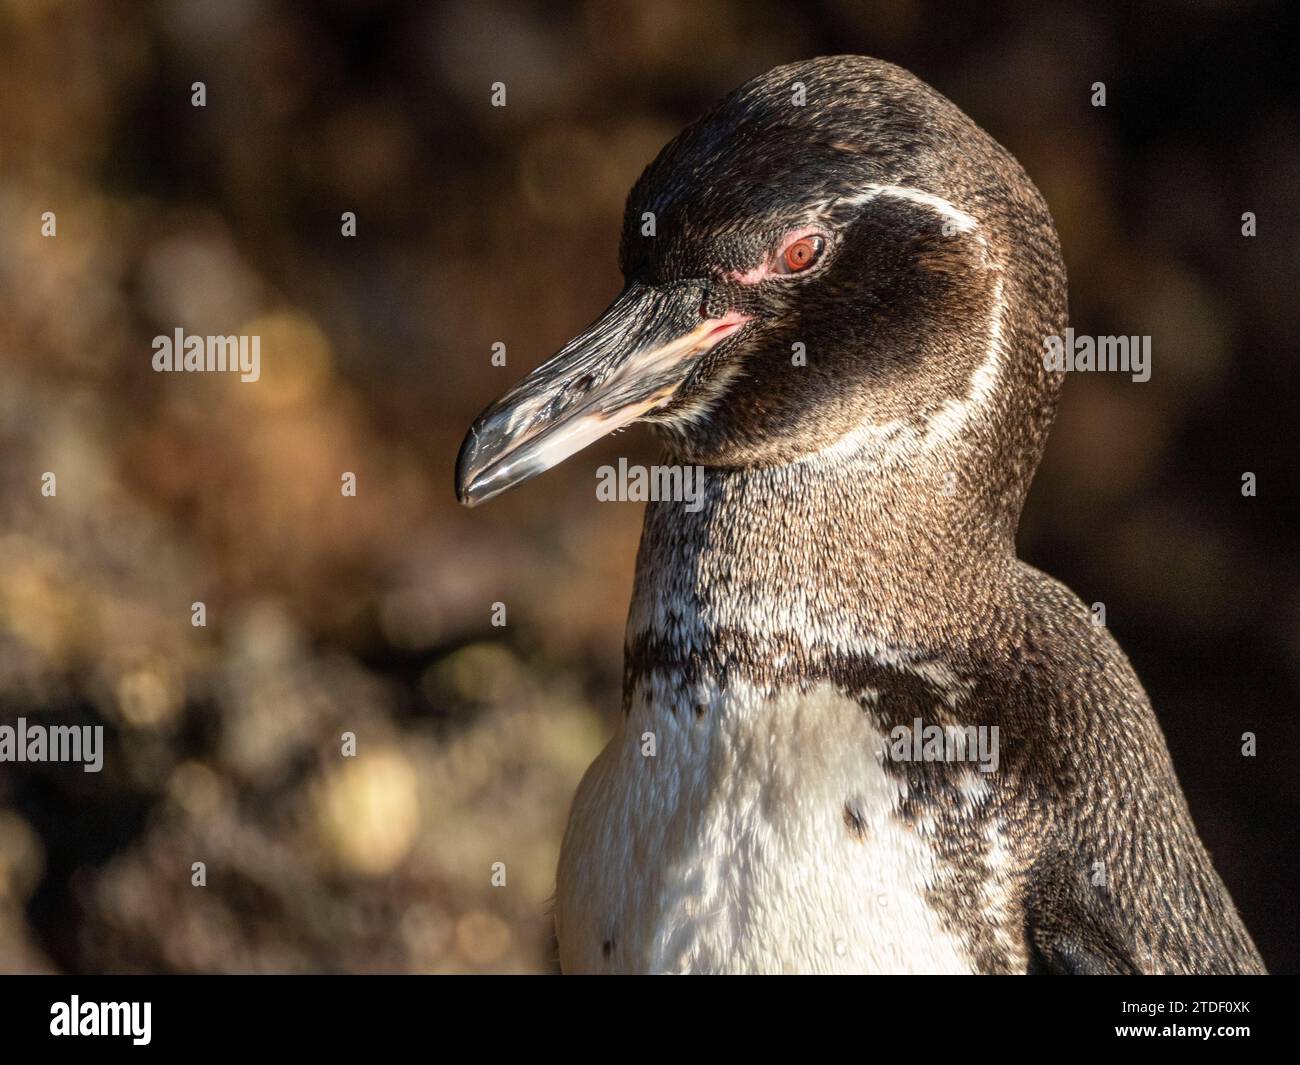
(800, 254)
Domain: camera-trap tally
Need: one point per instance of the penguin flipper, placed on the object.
(1175, 919)
(1070, 927)
(1118, 879)
(1064, 957)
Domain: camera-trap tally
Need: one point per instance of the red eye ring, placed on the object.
(801, 254)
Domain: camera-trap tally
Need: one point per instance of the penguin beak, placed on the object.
(629, 362)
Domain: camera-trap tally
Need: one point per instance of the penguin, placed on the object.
(859, 735)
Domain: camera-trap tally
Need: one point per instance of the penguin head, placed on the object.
(834, 260)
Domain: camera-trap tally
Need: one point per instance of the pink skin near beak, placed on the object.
(720, 328)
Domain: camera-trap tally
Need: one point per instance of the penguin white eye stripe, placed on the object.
(964, 223)
(961, 221)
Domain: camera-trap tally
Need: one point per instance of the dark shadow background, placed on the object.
(475, 225)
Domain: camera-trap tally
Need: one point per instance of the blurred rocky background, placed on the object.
(475, 225)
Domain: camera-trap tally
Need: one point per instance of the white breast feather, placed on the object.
(728, 851)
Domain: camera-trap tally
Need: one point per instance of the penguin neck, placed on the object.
(830, 554)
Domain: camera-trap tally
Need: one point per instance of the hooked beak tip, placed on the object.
(468, 497)
(469, 490)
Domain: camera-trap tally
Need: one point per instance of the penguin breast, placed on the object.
(743, 832)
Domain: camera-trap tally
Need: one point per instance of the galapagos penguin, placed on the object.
(850, 580)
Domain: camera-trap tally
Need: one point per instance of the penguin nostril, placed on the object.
(585, 383)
